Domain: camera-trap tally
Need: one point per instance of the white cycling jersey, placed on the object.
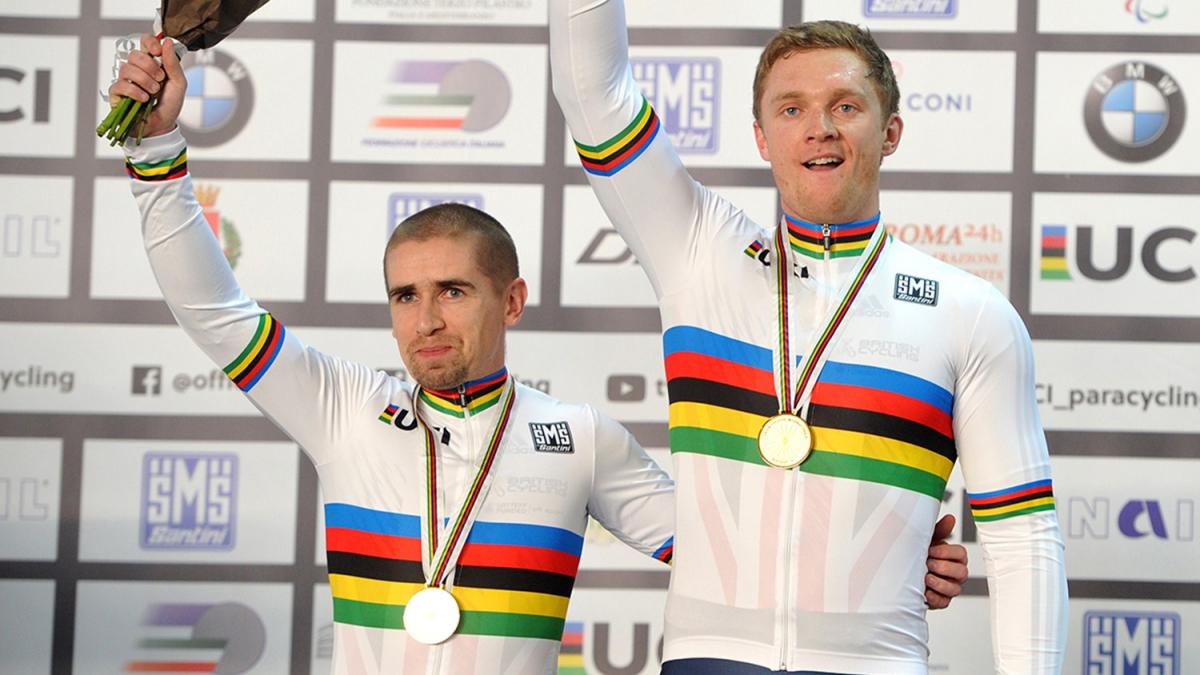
(557, 463)
(818, 568)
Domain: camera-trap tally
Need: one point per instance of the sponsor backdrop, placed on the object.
(149, 517)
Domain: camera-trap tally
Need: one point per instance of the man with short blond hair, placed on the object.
(810, 468)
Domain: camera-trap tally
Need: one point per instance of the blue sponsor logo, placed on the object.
(1162, 519)
(685, 92)
(1117, 643)
(910, 9)
(189, 500)
(403, 204)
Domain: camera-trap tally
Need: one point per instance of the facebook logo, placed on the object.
(147, 381)
(189, 500)
(685, 94)
(1121, 643)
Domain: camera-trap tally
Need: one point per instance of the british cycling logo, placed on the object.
(1134, 111)
(220, 98)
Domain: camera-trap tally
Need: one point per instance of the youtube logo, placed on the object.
(626, 387)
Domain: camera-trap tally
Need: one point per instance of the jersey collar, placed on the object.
(474, 396)
(845, 240)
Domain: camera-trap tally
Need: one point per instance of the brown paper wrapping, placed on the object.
(201, 24)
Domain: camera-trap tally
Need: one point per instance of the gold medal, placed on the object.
(431, 616)
(784, 441)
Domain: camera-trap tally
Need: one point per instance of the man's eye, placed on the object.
(454, 292)
(791, 111)
(405, 298)
(846, 108)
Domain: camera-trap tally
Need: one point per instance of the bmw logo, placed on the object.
(220, 97)
(1134, 111)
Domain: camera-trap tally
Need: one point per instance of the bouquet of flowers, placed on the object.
(192, 24)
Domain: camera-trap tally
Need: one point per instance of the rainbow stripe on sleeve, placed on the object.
(617, 152)
(254, 361)
(1017, 500)
(868, 423)
(512, 580)
(167, 169)
(664, 552)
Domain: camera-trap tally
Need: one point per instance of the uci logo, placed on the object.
(1101, 256)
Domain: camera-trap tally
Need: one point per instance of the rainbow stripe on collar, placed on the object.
(477, 395)
(846, 240)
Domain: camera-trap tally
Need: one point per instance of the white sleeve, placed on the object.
(632, 497)
(1006, 468)
(662, 213)
(310, 395)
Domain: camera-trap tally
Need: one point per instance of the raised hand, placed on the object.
(151, 72)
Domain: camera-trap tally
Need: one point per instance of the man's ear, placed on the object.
(514, 301)
(891, 134)
(760, 139)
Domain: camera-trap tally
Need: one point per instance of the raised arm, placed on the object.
(661, 212)
(309, 395)
(1007, 471)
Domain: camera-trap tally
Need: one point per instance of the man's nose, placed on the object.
(429, 318)
(820, 126)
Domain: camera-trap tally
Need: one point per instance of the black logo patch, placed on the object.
(916, 289)
(552, 437)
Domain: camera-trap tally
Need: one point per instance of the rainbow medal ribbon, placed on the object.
(785, 439)
(432, 615)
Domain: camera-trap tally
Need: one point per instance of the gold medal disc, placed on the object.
(431, 616)
(784, 441)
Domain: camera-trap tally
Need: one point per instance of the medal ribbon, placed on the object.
(439, 557)
(807, 374)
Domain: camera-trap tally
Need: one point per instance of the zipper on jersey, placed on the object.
(435, 663)
(793, 479)
(826, 236)
(469, 446)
